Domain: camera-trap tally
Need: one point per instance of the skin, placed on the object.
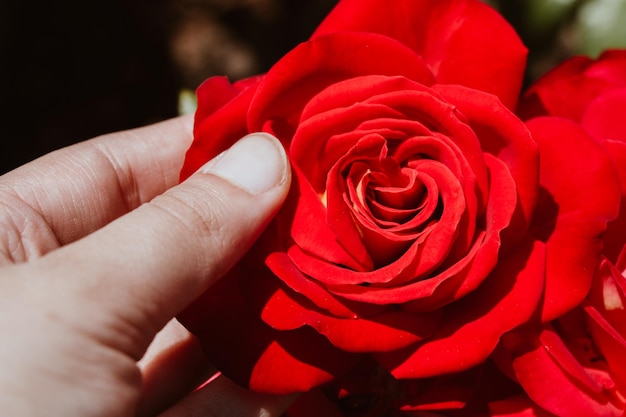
(100, 248)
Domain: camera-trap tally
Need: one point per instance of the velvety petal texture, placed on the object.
(404, 242)
(570, 362)
(567, 89)
(574, 366)
(591, 93)
(573, 212)
(461, 42)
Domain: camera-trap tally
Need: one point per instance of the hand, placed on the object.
(100, 249)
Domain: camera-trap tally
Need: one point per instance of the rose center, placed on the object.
(389, 194)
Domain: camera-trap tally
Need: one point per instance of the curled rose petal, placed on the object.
(361, 329)
(450, 54)
(555, 379)
(224, 123)
(252, 353)
(572, 212)
(508, 140)
(327, 62)
(606, 310)
(461, 343)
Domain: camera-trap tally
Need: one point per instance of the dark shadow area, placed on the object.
(79, 69)
(72, 70)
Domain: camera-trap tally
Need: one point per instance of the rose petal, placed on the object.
(445, 35)
(615, 235)
(554, 379)
(303, 219)
(252, 353)
(314, 65)
(437, 241)
(567, 80)
(314, 292)
(382, 330)
(215, 132)
(422, 290)
(573, 210)
(387, 331)
(568, 88)
(332, 121)
(335, 120)
(453, 282)
(472, 327)
(603, 117)
(502, 134)
(606, 310)
(316, 156)
(212, 94)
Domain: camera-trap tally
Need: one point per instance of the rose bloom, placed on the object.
(409, 243)
(575, 365)
(591, 93)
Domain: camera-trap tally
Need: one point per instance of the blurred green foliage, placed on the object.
(554, 30)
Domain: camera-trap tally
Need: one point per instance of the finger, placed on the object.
(78, 189)
(223, 398)
(173, 366)
(145, 267)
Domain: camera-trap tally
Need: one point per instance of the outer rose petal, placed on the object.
(615, 236)
(606, 307)
(314, 65)
(383, 331)
(445, 34)
(568, 88)
(214, 93)
(554, 379)
(472, 326)
(563, 91)
(604, 116)
(573, 211)
(252, 353)
(216, 131)
(502, 134)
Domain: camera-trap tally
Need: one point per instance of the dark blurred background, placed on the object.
(71, 70)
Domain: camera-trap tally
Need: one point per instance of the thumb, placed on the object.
(145, 267)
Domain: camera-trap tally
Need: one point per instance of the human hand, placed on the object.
(100, 249)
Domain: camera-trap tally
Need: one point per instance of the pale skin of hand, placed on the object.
(100, 248)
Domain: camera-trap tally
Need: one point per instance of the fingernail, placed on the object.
(257, 163)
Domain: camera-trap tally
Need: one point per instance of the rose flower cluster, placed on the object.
(450, 245)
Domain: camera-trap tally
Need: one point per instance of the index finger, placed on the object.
(79, 189)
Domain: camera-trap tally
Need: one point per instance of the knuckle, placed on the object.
(202, 217)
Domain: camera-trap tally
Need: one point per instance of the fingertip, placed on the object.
(257, 163)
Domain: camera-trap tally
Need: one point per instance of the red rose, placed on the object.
(404, 238)
(573, 363)
(576, 365)
(591, 93)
